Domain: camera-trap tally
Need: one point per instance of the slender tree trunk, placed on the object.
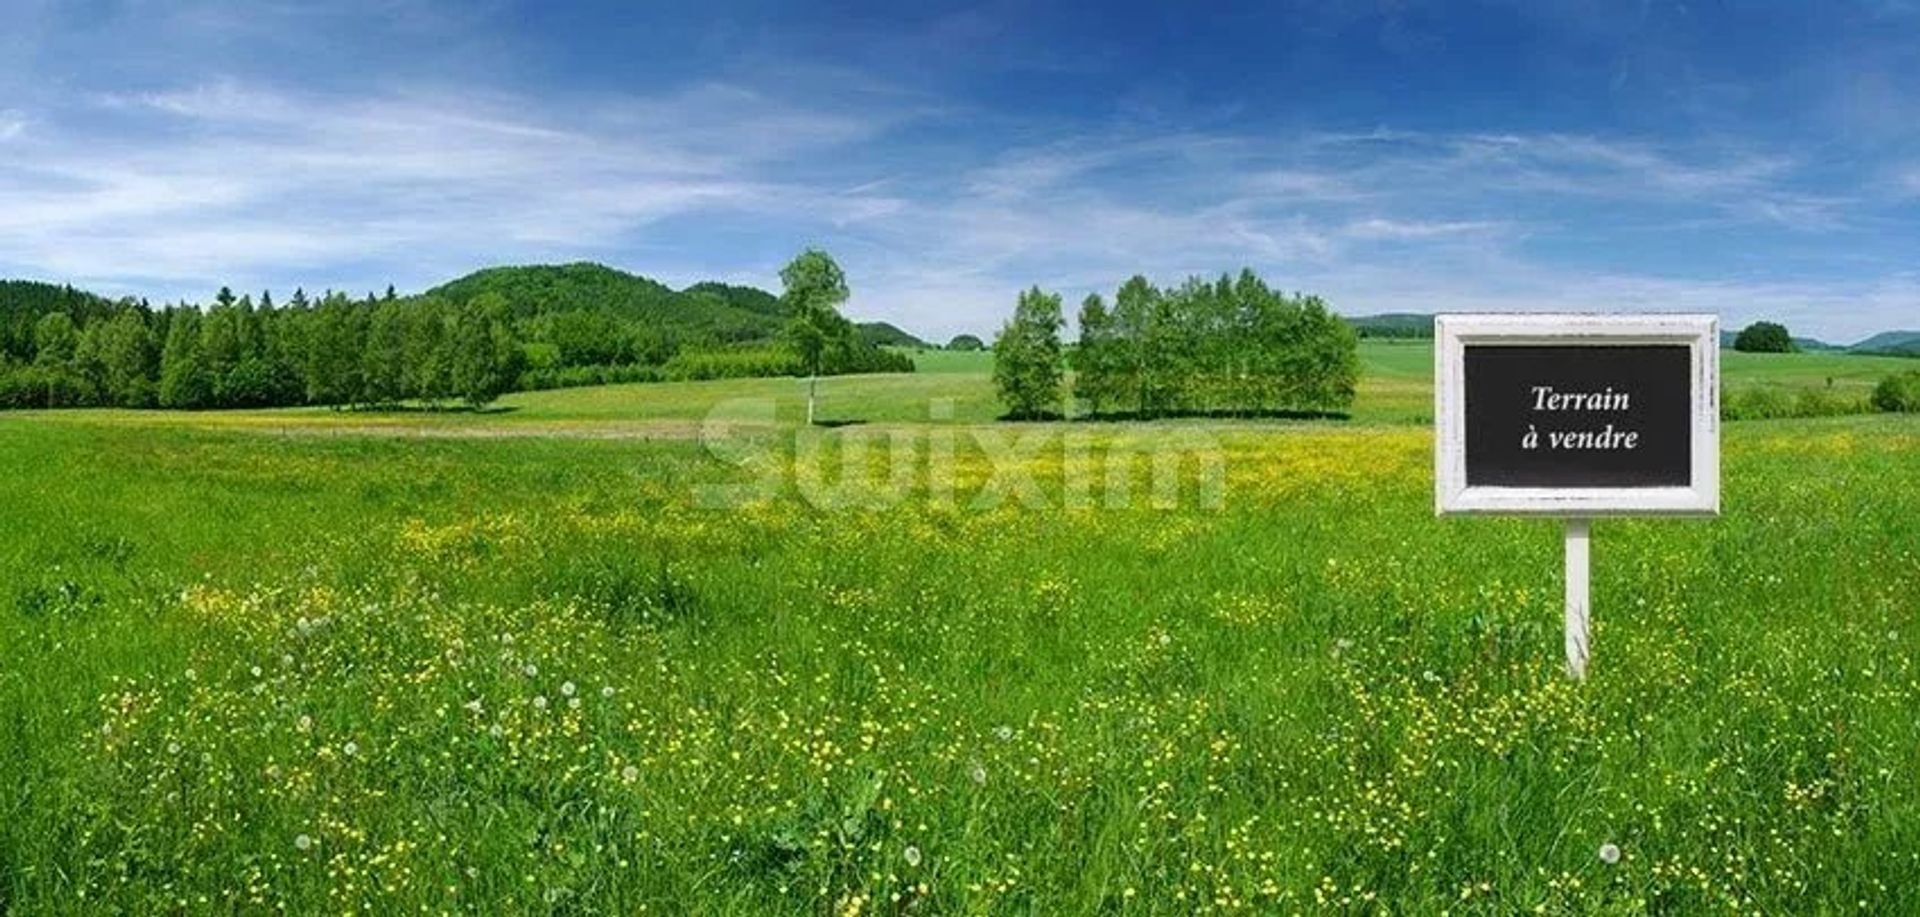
(812, 381)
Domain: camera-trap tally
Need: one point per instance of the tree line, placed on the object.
(240, 352)
(465, 343)
(1231, 346)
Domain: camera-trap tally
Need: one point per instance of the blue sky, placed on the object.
(1752, 159)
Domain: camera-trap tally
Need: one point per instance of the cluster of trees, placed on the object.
(1231, 346)
(1899, 393)
(1764, 337)
(241, 353)
(587, 324)
(468, 341)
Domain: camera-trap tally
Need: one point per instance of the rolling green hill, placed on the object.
(707, 310)
(1897, 343)
(885, 334)
(723, 313)
(1393, 325)
(24, 302)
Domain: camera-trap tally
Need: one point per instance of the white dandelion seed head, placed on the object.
(351, 748)
(540, 702)
(496, 731)
(912, 855)
(1003, 733)
(191, 675)
(1609, 854)
(303, 842)
(629, 773)
(306, 723)
(173, 748)
(606, 691)
(978, 774)
(567, 688)
(573, 703)
(256, 671)
(530, 669)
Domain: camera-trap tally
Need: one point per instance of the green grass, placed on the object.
(951, 361)
(1396, 387)
(220, 634)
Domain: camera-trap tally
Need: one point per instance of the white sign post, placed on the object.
(1576, 416)
(1577, 598)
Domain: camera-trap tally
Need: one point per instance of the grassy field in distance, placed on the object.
(529, 667)
(1396, 387)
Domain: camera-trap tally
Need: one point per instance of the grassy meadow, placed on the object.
(528, 660)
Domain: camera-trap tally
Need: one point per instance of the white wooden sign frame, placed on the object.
(1454, 333)
(1701, 497)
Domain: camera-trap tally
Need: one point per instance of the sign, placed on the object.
(1577, 416)
(1558, 416)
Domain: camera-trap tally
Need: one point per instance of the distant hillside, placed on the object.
(715, 311)
(882, 334)
(24, 302)
(1899, 343)
(720, 312)
(1805, 345)
(1393, 325)
(586, 323)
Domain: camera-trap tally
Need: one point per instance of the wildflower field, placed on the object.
(525, 662)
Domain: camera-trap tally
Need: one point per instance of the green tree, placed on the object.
(426, 352)
(1899, 392)
(1096, 367)
(334, 343)
(126, 358)
(1027, 356)
(55, 338)
(966, 343)
(814, 289)
(1133, 307)
(184, 382)
(1764, 337)
(1330, 360)
(483, 358)
(384, 365)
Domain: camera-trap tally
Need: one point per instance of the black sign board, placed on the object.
(1578, 416)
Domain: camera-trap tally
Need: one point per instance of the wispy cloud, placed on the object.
(197, 186)
(177, 189)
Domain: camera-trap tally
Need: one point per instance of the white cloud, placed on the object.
(1386, 229)
(175, 192)
(226, 182)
